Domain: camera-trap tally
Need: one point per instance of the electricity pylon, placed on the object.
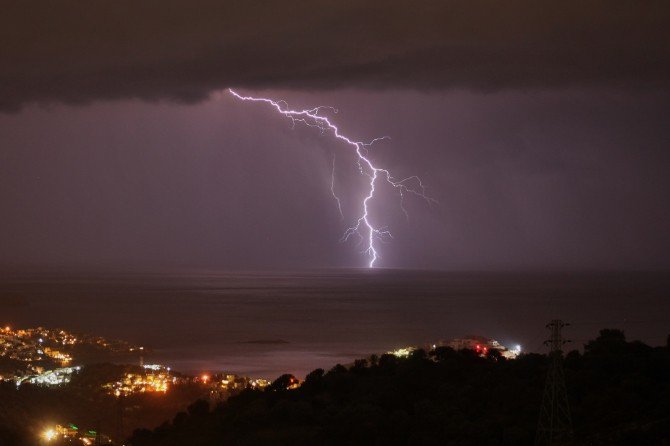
(554, 426)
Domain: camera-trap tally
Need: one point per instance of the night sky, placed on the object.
(541, 128)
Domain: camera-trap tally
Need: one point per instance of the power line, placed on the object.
(554, 425)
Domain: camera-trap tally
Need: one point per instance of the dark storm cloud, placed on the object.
(79, 51)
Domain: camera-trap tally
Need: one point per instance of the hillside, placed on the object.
(619, 392)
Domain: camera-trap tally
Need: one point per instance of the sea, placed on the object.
(264, 324)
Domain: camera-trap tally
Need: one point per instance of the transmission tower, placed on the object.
(554, 426)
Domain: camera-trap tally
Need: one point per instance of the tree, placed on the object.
(284, 382)
(610, 341)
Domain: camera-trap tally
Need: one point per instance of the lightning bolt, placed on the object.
(363, 227)
(332, 190)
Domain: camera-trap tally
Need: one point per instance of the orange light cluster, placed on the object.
(134, 383)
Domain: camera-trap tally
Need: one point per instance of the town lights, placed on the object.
(49, 434)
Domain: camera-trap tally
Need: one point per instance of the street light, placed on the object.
(49, 435)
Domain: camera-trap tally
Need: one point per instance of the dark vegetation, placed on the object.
(619, 392)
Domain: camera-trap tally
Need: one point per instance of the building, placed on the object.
(480, 344)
